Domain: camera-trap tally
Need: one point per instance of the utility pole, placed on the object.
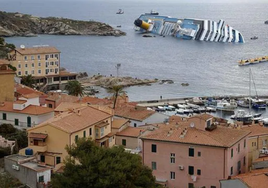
(117, 69)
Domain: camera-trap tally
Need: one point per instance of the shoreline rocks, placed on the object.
(17, 24)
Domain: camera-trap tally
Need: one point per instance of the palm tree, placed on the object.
(28, 81)
(75, 88)
(116, 90)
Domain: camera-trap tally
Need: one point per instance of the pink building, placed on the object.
(195, 153)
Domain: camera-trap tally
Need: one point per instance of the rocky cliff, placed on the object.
(17, 24)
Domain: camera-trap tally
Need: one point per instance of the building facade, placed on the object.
(6, 81)
(196, 153)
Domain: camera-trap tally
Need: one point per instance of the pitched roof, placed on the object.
(4, 61)
(31, 109)
(37, 135)
(67, 106)
(95, 100)
(220, 137)
(117, 123)
(76, 120)
(37, 50)
(52, 96)
(202, 116)
(131, 132)
(256, 130)
(26, 91)
(131, 112)
(255, 178)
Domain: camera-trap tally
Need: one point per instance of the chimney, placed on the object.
(79, 112)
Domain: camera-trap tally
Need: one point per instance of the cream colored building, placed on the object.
(6, 82)
(48, 140)
(37, 61)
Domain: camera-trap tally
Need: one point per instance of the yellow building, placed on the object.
(257, 139)
(37, 61)
(48, 140)
(6, 82)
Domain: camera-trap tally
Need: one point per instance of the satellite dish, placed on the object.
(22, 46)
(192, 124)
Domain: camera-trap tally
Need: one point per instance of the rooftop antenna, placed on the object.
(117, 69)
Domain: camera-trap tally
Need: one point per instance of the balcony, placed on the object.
(39, 148)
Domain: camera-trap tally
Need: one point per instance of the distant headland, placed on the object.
(17, 24)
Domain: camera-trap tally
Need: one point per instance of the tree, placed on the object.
(75, 88)
(116, 90)
(89, 165)
(28, 81)
(5, 48)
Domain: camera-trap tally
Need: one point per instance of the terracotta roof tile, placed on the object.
(67, 106)
(95, 100)
(256, 130)
(131, 112)
(74, 121)
(4, 61)
(131, 132)
(117, 123)
(37, 135)
(52, 96)
(37, 50)
(31, 109)
(221, 136)
(20, 101)
(255, 178)
(25, 90)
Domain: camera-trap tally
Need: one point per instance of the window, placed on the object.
(51, 70)
(190, 185)
(238, 149)
(84, 134)
(231, 170)
(25, 58)
(16, 121)
(199, 154)
(19, 73)
(19, 66)
(51, 55)
(47, 56)
(172, 175)
(245, 143)
(32, 57)
(39, 71)
(198, 172)
(51, 63)
(58, 160)
(26, 72)
(153, 165)
(38, 57)
(56, 56)
(102, 131)
(32, 71)
(90, 131)
(212, 186)
(238, 166)
(39, 64)
(208, 123)
(47, 63)
(191, 152)
(41, 179)
(50, 106)
(57, 63)
(26, 65)
(124, 142)
(47, 71)
(264, 142)
(191, 170)
(110, 139)
(135, 124)
(4, 116)
(232, 153)
(56, 71)
(172, 158)
(76, 138)
(244, 161)
(154, 149)
(97, 132)
(32, 64)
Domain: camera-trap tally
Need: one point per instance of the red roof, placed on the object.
(38, 135)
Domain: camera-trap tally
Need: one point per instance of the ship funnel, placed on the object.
(142, 24)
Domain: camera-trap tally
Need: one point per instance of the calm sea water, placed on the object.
(209, 68)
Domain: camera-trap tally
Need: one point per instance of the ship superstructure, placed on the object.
(188, 28)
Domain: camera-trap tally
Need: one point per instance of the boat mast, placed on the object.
(249, 90)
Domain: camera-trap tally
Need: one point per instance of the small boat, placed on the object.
(241, 115)
(254, 38)
(185, 84)
(223, 105)
(243, 102)
(120, 11)
(118, 26)
(259, 104)
(153, 12)
(253, 61)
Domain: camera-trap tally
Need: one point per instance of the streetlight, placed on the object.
(117, 68)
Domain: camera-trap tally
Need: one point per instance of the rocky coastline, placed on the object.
(108, 81)
(17, 24)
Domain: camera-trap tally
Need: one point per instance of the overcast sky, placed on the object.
(177, 1)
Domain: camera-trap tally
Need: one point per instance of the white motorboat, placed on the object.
(241, 115)
(224, 105)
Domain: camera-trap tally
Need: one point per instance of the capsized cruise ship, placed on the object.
(189, 29)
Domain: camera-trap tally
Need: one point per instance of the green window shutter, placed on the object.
(17, 122)
(76, 138)
(4, 116)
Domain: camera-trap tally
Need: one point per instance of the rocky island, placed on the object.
(17, 24)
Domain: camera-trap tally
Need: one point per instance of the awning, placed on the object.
(38, 136)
